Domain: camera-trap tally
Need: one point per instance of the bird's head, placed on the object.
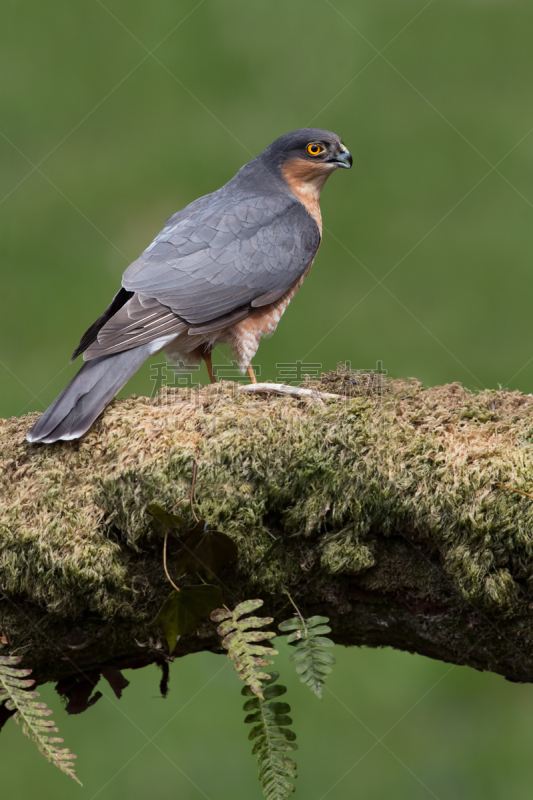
(313, 146)
(307, 156)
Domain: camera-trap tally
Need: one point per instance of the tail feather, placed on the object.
(86, 396)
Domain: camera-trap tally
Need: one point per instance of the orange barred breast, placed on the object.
(246, 334)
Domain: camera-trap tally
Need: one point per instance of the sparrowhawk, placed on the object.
(222, 270)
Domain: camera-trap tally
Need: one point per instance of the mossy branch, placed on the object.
(382, 511)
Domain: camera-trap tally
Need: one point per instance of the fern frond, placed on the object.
(272, 738)
(14, 692)
(313, 662)
(241, 643)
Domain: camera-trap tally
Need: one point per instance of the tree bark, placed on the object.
(381, 509)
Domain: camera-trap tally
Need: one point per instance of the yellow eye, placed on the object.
(314, 149)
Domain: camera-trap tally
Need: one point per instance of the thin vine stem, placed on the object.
(183, 499)
(191, 498)
(297, 610)
(165, 563)
(512, 489)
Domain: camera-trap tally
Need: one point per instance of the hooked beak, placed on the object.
(343, 159)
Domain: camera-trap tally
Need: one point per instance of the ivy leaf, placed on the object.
(163, 521)
(182, 611)
(205, 551)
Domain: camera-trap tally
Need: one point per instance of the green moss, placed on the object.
(74, 536)
(343, 552)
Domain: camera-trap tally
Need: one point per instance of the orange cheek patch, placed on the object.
(306, 180)
(302, 171)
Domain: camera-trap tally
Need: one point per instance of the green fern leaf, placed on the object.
(14, 692)
(241, 642)
(272, 738)
(313, 662)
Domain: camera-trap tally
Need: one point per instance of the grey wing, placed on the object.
(217, 259)
(211, 264)
(140, 321)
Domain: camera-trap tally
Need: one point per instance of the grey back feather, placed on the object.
(206, 265)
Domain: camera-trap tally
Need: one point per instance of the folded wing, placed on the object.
(211, 264)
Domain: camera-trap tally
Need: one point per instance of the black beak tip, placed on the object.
(343, 159)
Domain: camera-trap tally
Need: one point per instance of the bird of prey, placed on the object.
(222, 270)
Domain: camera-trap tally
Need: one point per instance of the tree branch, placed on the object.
(381, 510)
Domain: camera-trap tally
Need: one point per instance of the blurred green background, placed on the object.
(115, 115)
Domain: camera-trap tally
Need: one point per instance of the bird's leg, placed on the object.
(251, 374)
(209, 365)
